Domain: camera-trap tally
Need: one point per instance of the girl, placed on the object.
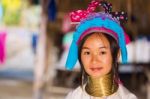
(97, 43)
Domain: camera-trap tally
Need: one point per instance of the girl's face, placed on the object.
(96, 55)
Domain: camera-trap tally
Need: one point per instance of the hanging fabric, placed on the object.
(2, 47)
(52, 10)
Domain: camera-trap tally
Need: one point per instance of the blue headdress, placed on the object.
(106, 22)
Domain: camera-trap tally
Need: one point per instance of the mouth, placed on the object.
(96, 69)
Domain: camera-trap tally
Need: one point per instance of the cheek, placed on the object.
(107, 61)
(85, 61)
(108, 68)
(108, 64)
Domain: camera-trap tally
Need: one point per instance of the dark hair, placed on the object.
(114, 47)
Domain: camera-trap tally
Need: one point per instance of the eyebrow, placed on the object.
(99, 47)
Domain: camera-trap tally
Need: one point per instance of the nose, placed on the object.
(94, 58)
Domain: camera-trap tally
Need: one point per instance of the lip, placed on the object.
(96, 69)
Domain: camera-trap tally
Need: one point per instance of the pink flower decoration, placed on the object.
(77, 16)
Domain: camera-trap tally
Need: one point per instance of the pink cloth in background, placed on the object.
(2, 46)
(66, 26)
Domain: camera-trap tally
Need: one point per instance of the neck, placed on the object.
(102, 86)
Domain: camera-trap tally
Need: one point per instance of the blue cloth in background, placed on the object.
(1, 12)
(34, 42)
(52, 10)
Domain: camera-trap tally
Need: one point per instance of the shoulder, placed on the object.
(78, 93)
(125, 93)
(75, 94)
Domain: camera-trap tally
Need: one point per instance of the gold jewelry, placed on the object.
(102, 86)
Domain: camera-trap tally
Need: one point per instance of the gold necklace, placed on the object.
(102, 86)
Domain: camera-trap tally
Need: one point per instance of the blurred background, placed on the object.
(35, 36)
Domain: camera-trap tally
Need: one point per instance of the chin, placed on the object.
(96, 75)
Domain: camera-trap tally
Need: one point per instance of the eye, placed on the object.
(86, 53)
(103, 52)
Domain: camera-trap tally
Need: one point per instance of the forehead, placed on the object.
(96, 40)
